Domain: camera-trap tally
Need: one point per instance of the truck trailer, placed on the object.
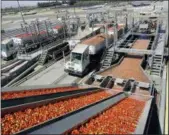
(10, 46)
(86, 55)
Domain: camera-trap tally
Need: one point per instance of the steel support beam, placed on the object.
(142, 34)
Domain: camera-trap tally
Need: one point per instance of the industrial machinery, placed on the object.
(30, 40)
(148, 25)
(39, 37)
(125, 94)
(56, 106)
(87, 54)
(18, 67)
(82, 35)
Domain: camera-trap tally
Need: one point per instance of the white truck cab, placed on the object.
(79, 60)
(8, 49)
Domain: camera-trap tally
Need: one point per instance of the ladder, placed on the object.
(107, 59)
(43, 57)
(156, 65)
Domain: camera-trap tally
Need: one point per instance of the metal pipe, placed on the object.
(106, 34)
(21, 12)
(115, 30)
(22, 74)
(46, 28)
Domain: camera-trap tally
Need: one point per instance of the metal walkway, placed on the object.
(140, 34)
(134, 51)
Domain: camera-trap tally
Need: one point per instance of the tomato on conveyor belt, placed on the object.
(26, 93)
(119, 119)
(17, 121)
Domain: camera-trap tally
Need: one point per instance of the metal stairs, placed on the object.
(156, 65)
(107, 59)
(43, 57)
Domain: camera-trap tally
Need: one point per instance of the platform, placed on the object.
(160, 45)
(29, 56)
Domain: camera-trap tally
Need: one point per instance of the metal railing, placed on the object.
(134, 51)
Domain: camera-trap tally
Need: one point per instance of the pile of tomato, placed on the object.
(119, 119)
(12, 123)
(26, 93)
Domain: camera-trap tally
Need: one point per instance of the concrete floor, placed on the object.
(52, 75)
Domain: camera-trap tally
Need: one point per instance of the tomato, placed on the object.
(17, 121)
(25, 93)
(119, 119)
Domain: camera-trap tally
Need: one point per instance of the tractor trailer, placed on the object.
(86, 55)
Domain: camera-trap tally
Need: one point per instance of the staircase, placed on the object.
(43, 57)
(107, 59)
(156, 65)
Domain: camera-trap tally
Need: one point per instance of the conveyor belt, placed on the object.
(24, 100)
(68, 121)
(77, 116)
(124, 70)
(140, 127)
(50, 101)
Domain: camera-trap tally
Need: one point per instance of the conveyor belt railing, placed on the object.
(105, 81)
(75, 117)
(146, 117)
(134, 51)
(120, 41)
(29, 99)
(143, 34)
(128, 86)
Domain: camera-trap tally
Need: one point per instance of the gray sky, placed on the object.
(22, 3)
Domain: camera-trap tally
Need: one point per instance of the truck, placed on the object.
(10, 46)
(8, 49)
(82, 35)
(86, 55)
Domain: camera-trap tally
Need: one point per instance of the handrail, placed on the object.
(137, 51)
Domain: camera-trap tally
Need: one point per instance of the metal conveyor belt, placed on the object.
(77, 117)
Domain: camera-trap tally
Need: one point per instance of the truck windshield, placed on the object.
(76, 57)
(4, 48)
